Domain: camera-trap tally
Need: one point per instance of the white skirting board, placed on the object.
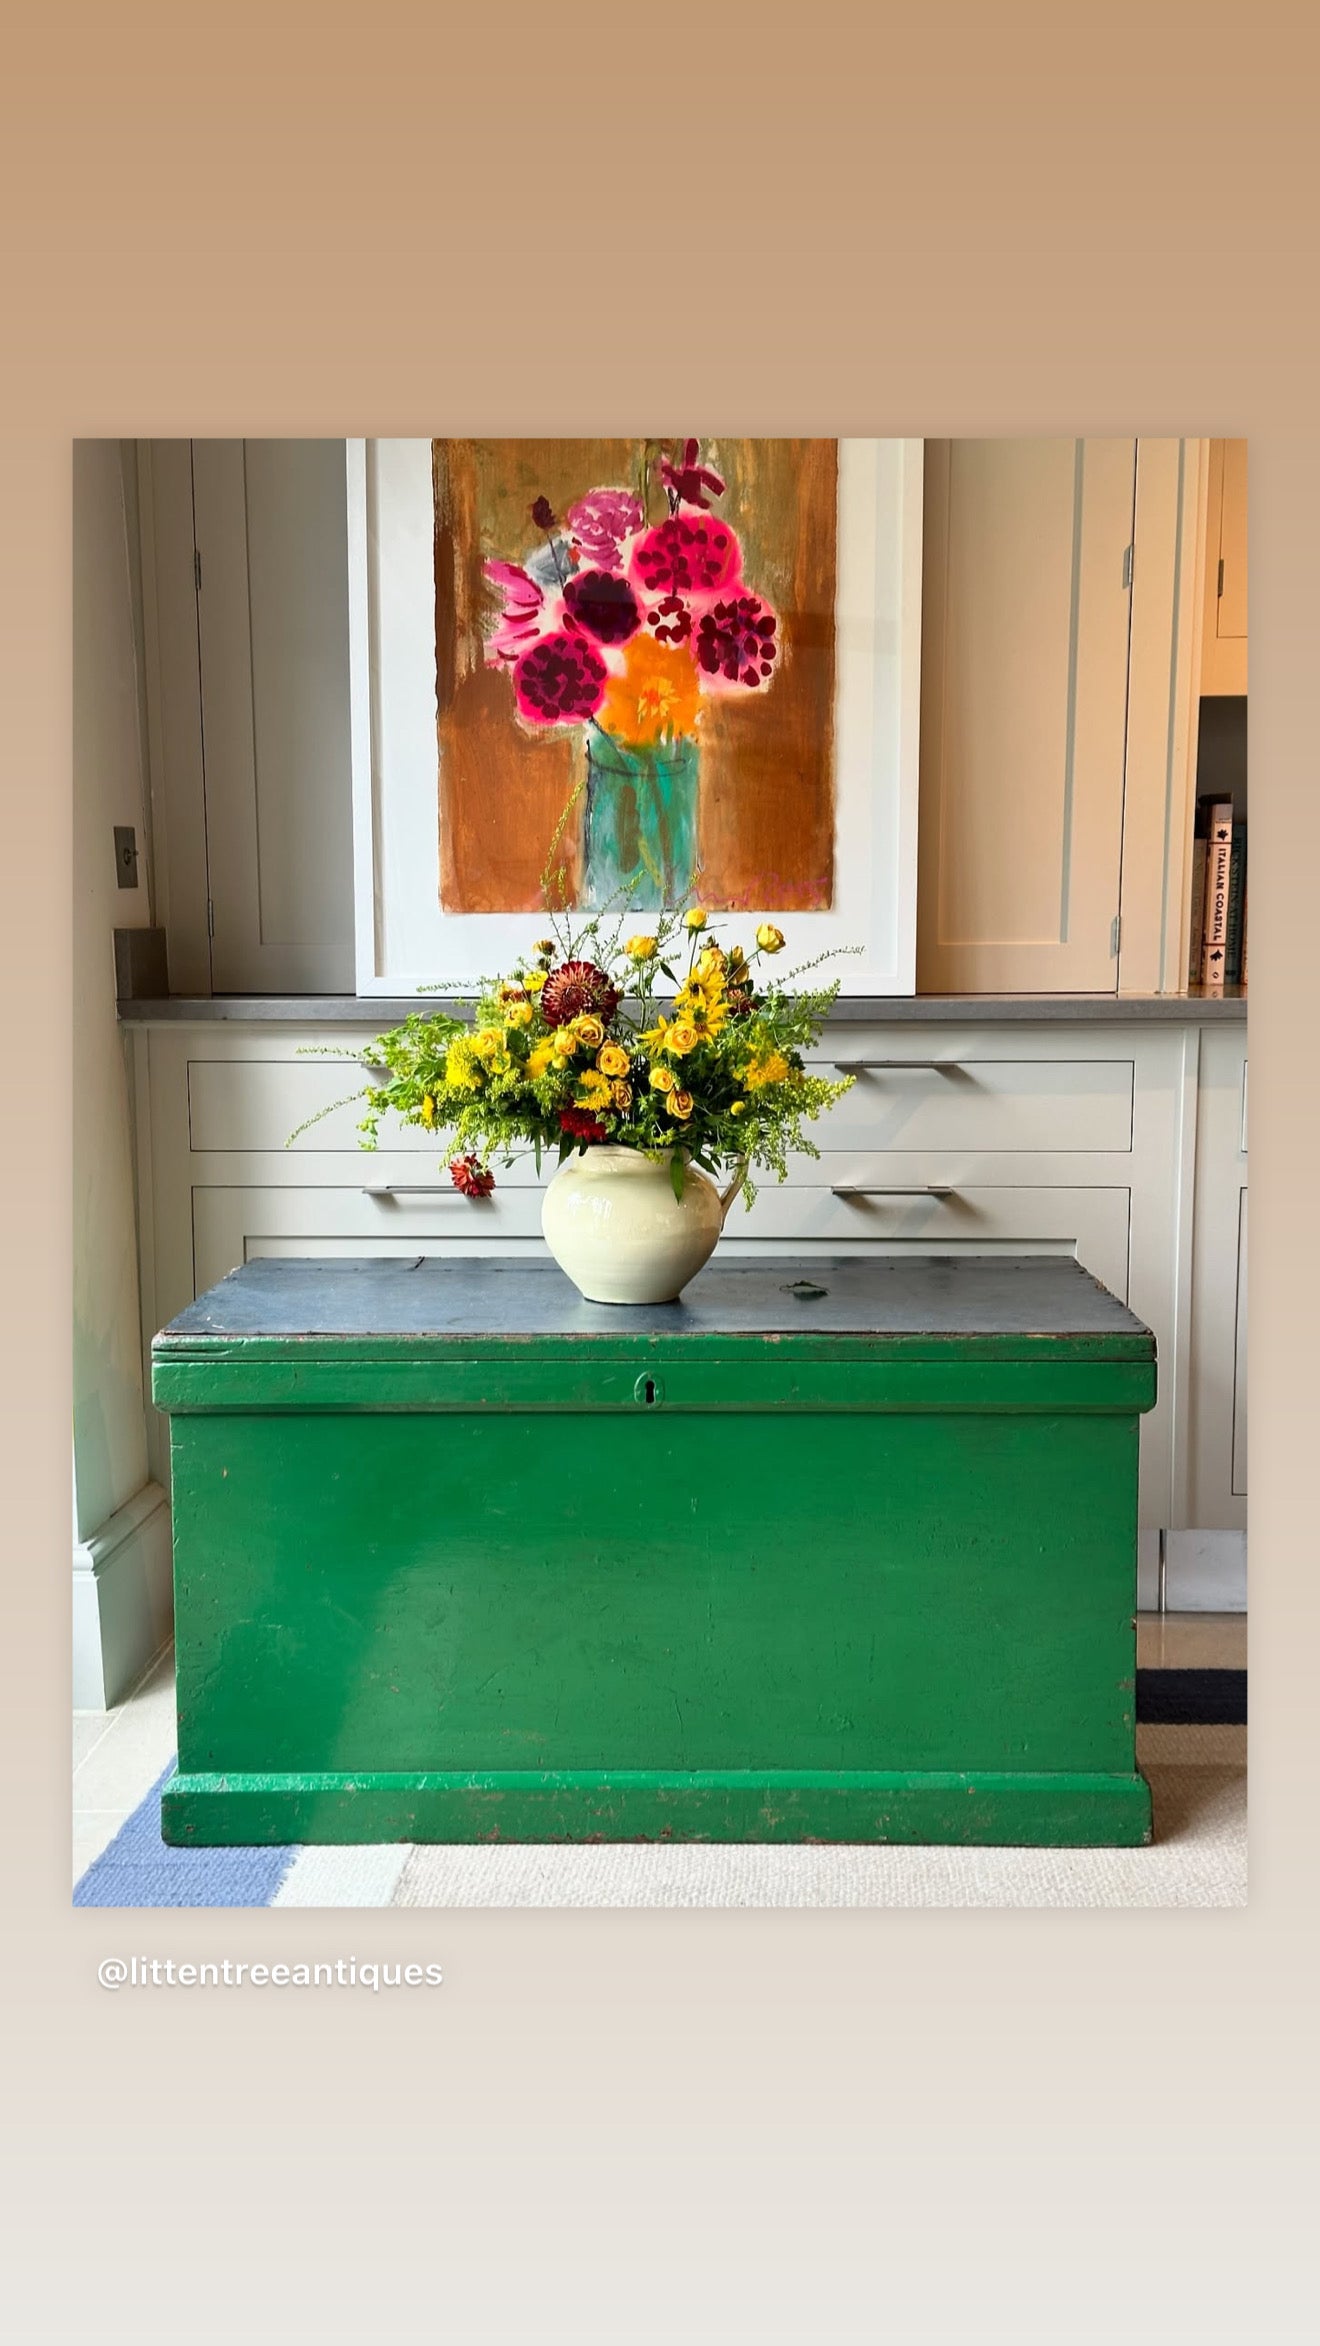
(1205, 1572)
(122, 1599)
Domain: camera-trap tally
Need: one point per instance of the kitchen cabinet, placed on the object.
(1057, 742)
(1224, 613)
(245, 569)
(1058, 1137)
(1219, 1285)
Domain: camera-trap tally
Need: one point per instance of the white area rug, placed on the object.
(1199, 1858)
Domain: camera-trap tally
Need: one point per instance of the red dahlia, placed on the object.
(575, 987)
(736, 640)
(559, 681)
(582, 1124)
(605, 605)
(471, 1176)
(691, 553)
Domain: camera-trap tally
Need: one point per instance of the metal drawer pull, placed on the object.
(388, 1189)
(886, 1189)
(898, 1066)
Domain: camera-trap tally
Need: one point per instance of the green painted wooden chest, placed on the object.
(837, 1551)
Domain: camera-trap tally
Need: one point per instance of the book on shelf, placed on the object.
(1218, 869)
(1197, 925)
(1237, 901)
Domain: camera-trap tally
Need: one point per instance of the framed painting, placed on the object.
(607, 673)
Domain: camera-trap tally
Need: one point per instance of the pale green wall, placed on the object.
(110, 1454)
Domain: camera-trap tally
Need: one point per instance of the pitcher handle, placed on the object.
(728, 1195)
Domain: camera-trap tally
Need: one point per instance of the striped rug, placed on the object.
(1191, 1742)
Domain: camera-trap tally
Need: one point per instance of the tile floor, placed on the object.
(117, 1755)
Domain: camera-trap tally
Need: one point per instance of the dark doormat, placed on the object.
(1192, 1698)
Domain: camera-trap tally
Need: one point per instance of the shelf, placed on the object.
(380, 1012)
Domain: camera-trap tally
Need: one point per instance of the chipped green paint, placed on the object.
(702, 1805)
(870, 1586)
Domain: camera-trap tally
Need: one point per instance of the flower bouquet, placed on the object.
(573, 1052)
(625, 625)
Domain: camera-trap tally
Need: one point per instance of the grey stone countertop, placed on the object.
(377, 1012)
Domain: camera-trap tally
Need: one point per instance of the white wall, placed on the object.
(109, 1436)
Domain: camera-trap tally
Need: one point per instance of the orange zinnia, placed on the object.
(657, 695)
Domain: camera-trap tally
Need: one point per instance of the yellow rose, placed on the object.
(623, 1095)
(679, 1104)
(518, 1014)
(589, 1030)
(564, 1043)
(769, 938)
(612, 1060)
(593, 1090)
(539, 1058)
(696, 919)
(710, 966)
(535, 979)
(682, 1037)
(641, 948)
(487, 1041)
(663, 1079)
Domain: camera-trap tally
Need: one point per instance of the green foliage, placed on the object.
(563, 1060)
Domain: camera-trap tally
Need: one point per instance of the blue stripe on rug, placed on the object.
(139, 1869)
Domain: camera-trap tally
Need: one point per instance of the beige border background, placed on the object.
(825, 219)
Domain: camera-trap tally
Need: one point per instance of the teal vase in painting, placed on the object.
(641, 821)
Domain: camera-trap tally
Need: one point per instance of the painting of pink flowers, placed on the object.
(635, 668)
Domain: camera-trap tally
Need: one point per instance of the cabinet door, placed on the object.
(1024, 713)
(272, 618)
(1219, 1289)
(1224, 622)
(1240, 1357)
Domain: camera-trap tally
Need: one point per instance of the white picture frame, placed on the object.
(406, 943)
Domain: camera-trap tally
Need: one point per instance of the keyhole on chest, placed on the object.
(648, 1391)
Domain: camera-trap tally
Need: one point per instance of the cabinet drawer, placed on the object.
(1069, 1105)
(237, 1105)
(233, 1225)
(1059, 1105)
(1240, 1358)
(1091, 1223)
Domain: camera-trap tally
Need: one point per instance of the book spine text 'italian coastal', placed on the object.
(1218, 868)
